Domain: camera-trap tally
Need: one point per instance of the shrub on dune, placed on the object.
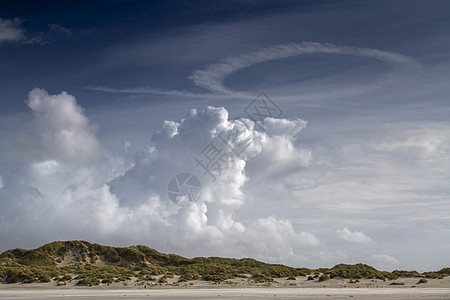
(324, 277)
(423, 280)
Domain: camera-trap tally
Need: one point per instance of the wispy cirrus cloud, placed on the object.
(149, 90)
(212, 77)
(57, 28)
(11, 30)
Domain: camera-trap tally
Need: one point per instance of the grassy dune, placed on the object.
(94, 264)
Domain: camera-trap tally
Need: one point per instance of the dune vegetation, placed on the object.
(93, 264)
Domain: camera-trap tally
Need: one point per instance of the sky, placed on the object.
(307, 133)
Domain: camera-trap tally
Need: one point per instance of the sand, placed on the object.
(239, 288)
(230, 293)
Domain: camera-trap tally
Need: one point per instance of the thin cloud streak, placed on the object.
(175, 93)
(13, 31)
(211, 78)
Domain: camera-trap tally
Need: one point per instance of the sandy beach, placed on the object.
(199, 289)
(229, 293)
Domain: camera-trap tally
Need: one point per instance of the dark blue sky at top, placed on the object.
(159, 43)
(97, 27)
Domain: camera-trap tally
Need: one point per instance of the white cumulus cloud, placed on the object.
(70, 187)
(353, 236)
(59, 130)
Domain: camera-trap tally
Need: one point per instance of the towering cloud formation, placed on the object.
(59, 130)
(69, 187)
(178, 146)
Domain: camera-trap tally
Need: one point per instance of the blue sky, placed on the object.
(96, 118)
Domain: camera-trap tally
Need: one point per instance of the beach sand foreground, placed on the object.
(229, 293)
